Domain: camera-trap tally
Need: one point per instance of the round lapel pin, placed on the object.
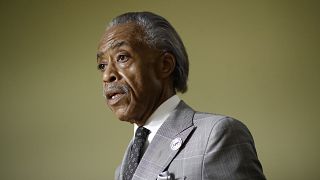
(176, 143)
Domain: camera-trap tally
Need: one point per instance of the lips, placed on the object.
(114, 98)
(114, 93)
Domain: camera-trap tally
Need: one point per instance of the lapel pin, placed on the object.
(176, 143)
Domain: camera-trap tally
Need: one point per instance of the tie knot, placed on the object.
(142, 133)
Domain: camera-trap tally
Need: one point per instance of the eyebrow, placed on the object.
(99, 55)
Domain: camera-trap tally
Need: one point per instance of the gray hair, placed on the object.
(160, 34)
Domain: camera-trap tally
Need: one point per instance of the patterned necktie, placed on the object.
(136, 152)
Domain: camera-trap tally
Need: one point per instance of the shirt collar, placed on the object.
(157, 118)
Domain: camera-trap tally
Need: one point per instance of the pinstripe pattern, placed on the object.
(214, 147)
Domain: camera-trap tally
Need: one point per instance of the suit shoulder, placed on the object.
(222, 121)
(220, 124)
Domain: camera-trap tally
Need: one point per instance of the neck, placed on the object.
(165, 95)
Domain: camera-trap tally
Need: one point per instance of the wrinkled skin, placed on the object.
(136, 78)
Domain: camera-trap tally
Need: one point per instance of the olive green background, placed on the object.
(257, 61)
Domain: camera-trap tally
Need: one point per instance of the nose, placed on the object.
(110, 74)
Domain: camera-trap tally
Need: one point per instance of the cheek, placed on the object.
(134, 77)
(142, 80)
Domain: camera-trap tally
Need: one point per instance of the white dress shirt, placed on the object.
(157, 118)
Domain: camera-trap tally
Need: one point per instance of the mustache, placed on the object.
(115, 88)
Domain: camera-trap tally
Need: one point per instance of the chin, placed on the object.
(130, 119)
(122, 116)
(125, 113)
(126, 119)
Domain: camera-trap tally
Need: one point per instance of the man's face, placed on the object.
(130, 73)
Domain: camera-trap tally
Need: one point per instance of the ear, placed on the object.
(168, 63)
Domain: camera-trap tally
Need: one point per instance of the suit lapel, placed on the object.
(124, 160)
(161, 151)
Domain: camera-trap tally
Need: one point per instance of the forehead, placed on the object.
(124, 34)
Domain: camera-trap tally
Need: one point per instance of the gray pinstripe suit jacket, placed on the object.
(213, 147)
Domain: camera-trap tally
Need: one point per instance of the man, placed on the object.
(144, 64)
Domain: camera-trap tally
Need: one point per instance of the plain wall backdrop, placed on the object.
(257, 61)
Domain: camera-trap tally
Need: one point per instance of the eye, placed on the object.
(102, 67)
(122, 58)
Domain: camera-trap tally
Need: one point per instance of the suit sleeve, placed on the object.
(230, 153)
